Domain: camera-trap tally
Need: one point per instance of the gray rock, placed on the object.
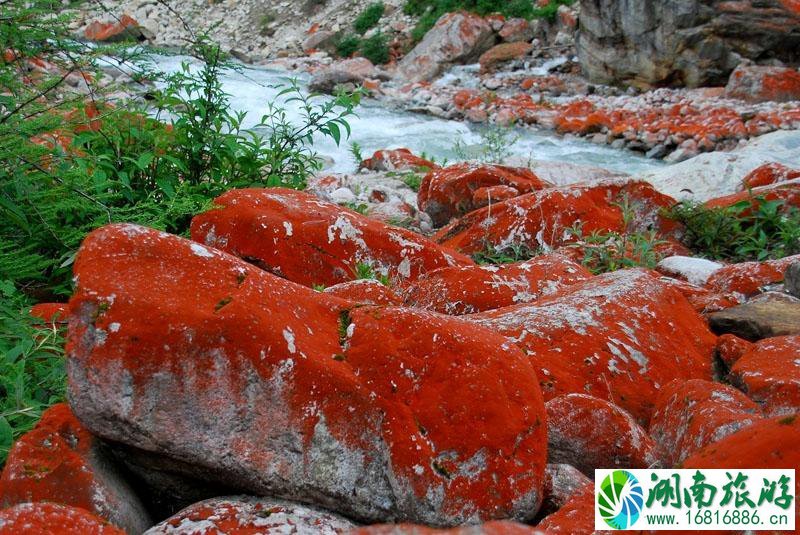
(792, 279)
(456, 38)
(267, 516)
(771, 315)
(681, 42)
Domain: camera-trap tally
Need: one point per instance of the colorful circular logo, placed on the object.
(620, 499)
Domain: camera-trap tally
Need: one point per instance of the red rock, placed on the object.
(502, 53)
(702, 300)
(448, 192)
(690, 415)
(122, 29)
(543, 218)
(368, 292)
(42, 517)
(50, 312)
(485, 196)
(279, 389)
(770, 374)
(767, 174)
(470, 289)
(769, 443)
(297, 236)
(748, 278)
(499, 527)
(788, 192)
(590, 433)
(575, 518)
(760, 83)
(618, 336)
(730, 348)
(457, 37)
(60, 462)
(515, 30)
(397, 160)
(247, 515)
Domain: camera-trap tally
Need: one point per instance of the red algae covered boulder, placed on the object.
(470, 289)
(762, 83)
(491, 194)
(247, 515)
(730, 348)
(191, 354)
(576, 517)
(769, 443)
(702, 299)
(449, 192)
(590, 433)
(503, 52)
(787, 192)
(41, 518)
(769, 373)
(458, 37)
(297, 236)
(365, 291)
(619, 337)
(397, 160)
(59, 461)
(498, 527)
(767, 174)
(125, 28)
(690, 415)
(748, 278)
(542, 219)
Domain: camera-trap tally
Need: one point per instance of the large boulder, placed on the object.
(543, 219)
(690, 415)
(713, 174)
(590, 433)
(682, 42)
(757, 83)
(748, 278)
(470, 289)
(246, 514)
(618, 337)
(770, 374)
(458, 37)
(295, 235)
(450, 191)
(60, 461)
(230, 374)
(348, 73)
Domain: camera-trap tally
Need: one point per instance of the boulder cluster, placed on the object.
(216, 387)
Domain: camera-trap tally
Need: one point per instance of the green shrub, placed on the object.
(375, 49)
(609, 251)
(368, 18)
(755, 229)
(32, 372)
(518, 252)
(347, 46)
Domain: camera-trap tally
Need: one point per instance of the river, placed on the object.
(375, 127)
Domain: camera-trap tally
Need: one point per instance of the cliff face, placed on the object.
(683, 42)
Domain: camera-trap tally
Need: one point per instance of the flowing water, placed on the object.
(377, 127)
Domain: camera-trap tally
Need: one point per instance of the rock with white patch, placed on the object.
(590, 433)
(470, 289)
(248, 514)
(297, 236)
(223, 372)
(619, 337)
(691, 269)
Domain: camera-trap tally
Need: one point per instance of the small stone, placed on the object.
(792, 279)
